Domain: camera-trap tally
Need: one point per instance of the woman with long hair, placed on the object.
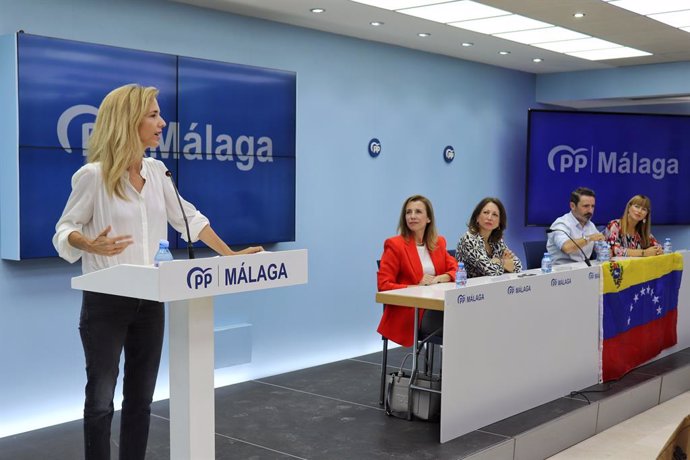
(416, 256)
(631, 236)
(482, 248)
(118, 211)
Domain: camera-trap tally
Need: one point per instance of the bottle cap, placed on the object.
(163, 244)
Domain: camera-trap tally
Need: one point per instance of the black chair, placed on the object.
(534, 251)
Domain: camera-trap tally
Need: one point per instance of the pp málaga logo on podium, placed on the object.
(199, 277)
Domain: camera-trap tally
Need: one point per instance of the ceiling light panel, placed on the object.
(501, 24)
(548, 34)
(645, 7)
(612, 53)
(675, 19)
(463, 10)
(582, 44)
(396, 4)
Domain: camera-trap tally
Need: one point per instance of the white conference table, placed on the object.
(513, 342)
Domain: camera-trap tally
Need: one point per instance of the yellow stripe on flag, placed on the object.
(639, 270)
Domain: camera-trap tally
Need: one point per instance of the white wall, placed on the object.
(348, 91)
(347, 203)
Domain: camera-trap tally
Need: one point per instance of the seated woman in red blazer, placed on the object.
(417, 256)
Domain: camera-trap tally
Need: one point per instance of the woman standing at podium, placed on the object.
(417, 256)
(119, 208)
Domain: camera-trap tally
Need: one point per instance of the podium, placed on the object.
(189, 286)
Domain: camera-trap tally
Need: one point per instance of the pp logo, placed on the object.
(461, 298)
(199, 278)
(511, 289)
(567, 158)
(374, 147)
(67, 117)
(449, 153)
(554, 282)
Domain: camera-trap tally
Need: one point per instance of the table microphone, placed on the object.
(190, 248)
(550, 230)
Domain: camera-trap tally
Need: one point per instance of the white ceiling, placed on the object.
(344, 17)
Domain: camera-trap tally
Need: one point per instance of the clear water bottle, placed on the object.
(668, 249)
(461, 276)
(546, 263)
(603, 251)
(163, 254)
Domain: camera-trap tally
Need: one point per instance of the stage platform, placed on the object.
(331, 412)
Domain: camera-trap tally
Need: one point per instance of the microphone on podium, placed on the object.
(190, 248)
(551, 230)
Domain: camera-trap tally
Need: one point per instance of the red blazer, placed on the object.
(401, 267)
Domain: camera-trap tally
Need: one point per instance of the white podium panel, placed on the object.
(190, 286)
(513, 344)
(207, 277)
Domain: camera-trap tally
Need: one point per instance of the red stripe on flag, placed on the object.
(628, 350)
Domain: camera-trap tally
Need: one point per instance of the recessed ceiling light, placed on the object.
(547, 34)
(394, 4)
(579, 15)
(646, 7)
(503, 53)
(467, 44)
(317, 10)
(454, 11)
(675, 18)
(582, 44)
(500, 24)
(376, 23)
(537, 60)
(612, 53)
(424, 34)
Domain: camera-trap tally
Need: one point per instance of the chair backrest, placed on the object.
(534, 251)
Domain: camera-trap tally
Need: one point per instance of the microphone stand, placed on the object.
(551, 230)
(190, 248)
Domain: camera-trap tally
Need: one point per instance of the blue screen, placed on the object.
(230, 138)
(617, 155)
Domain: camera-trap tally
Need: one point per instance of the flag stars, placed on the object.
(631, 307)
(649, 289)
(655, 299)
(658, 310)
(628, 321)
(642, 291)
(636, 298)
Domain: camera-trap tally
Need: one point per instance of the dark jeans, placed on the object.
(109, 323)
(431, 321)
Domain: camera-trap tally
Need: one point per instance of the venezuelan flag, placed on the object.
(639, 314)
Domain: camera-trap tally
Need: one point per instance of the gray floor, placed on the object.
(325, 412)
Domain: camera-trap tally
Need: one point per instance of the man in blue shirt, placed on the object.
(578, 225)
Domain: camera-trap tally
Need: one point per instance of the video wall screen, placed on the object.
(618, 155)
(229, 139)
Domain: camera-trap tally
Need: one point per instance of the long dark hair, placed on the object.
(497, 233)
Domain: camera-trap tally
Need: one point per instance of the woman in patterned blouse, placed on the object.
(482, 248)
(630, 236)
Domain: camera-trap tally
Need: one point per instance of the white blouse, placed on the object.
(144, 216)
(425, 258)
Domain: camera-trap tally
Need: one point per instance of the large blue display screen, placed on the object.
(618, 155)
(230, 138)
